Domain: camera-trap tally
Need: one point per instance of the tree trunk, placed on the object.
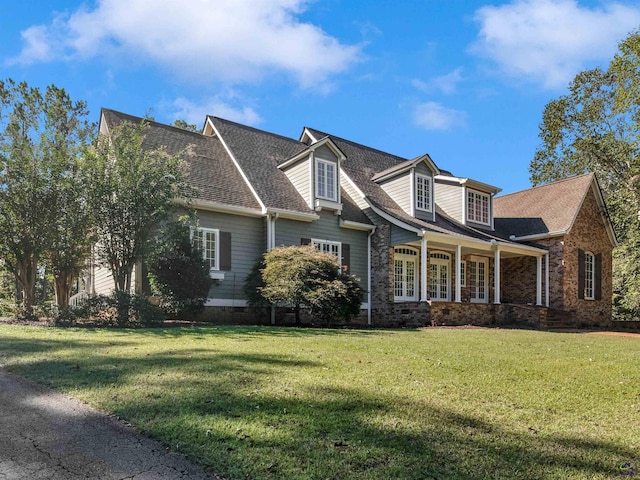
(26, 274)
(297, 309)
(63, 285)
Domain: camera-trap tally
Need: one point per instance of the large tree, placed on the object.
(41, 137)
(132, 194)
(596, 127)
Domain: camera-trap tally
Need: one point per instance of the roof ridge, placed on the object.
(154, 122)
(365, 147)
(254, 129)
(555, 182)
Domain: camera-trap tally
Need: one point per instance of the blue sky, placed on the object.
(465, 81)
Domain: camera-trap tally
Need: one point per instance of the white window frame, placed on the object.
(439, 259)
(475, 288)
(472, 214)
(423, 190)
(463, 273)
(406, 255)
(589, 276)
(214, 263)
(329, 183)
(329, 246)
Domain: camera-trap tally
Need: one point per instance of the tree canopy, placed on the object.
(596, 127)
(133, 193)
(41, 213)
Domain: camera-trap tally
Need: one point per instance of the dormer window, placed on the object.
(326, 180)
(423, 193)
(478, 207)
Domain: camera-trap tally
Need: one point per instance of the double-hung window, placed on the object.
(207, 240)
(327, 246)
(423, 193)
(326, 180)
(478, 207)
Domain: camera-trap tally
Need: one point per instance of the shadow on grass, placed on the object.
(212, 406)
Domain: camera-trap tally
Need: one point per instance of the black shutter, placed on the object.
(597, 287)
(305, 241)
(581, 273)
(225, 250)
(346, 257)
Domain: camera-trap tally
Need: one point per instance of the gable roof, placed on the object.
(215, 178)
(547, 210)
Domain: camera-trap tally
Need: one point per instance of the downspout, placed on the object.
(369, 276)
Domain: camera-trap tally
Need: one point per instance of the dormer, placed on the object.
(315, 173)
(410, 184)
(468, 201)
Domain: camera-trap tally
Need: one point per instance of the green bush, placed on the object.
(178, 274)
(121, 309)
(299, 276)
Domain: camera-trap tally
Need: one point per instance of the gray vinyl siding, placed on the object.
(399, 189)
(422, 169)
(299, 175)
(400, 236)
(248, 243)
(449, 198)
(326, 153)
(290, 232)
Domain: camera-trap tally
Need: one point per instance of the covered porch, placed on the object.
(465, 279)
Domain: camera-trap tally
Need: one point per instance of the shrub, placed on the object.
(178, 273)
(121, 309)
(302, 275)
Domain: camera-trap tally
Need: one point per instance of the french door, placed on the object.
(439, 276)
(478, 280)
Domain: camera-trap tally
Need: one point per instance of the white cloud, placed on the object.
(446, 84)
(224, 40)
(195, 113)
(435, 116)
(550, 41)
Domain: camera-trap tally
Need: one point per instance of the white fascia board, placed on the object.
(538, 236)
(291, 215)
(220, 207)
(237, 165)
(484, 244)
(357, 225)
(225, 302)
(307, 133)
(395, 221)
(476, 185)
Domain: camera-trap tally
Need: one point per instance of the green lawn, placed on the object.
(284, 403)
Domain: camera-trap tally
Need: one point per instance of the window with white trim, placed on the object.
(326, 180)
(207, 240)
(463, 273)
(405, 269)
(423, 193)
(589, 276)
(327, 246)
(478, 207)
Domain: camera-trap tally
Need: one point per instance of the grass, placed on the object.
(278, 403)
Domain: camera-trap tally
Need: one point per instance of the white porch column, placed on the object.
(423, 269)
(459, 274)
(496, 276)
(539, 282)
(546, 280)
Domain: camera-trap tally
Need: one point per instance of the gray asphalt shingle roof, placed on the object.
(210, 170)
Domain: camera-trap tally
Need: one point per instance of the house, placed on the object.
(569, 218)
(428, 246)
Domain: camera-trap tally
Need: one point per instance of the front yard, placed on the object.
(280, 403)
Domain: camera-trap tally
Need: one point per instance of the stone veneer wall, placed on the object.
(384, 311)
